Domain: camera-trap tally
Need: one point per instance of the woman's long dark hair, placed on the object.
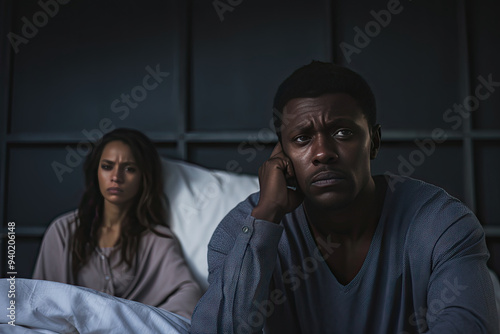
(147, 209)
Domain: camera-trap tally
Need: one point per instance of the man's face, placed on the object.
(329, 142)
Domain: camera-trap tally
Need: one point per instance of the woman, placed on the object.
(118, 241)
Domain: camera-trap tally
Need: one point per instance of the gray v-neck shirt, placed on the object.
(425, 271)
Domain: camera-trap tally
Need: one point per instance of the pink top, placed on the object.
(159, 275)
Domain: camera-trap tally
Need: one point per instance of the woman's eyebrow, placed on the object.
(129, 162)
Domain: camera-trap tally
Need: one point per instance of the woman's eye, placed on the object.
(106, 167)
(130, 169)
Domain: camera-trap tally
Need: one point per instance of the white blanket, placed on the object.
(50, 307)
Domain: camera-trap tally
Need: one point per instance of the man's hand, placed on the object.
(276, 199)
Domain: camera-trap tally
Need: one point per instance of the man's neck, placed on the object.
(355, 222)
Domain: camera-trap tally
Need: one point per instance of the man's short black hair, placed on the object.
(319, 78)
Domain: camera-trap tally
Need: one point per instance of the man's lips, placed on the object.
(327, 178)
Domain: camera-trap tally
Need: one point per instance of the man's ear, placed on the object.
(376, 135)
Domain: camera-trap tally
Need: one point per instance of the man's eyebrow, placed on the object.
(343, 120)
(302, 126)
(305, 125)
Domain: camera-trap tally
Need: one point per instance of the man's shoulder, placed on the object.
(413, 193)
(158, 237)
(427, 209)
(405, 184)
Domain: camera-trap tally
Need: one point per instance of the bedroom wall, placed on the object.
(198, 77)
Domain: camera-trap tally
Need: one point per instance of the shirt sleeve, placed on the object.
(180, 287)
(241, 258)
(460, 297)
(51, 264)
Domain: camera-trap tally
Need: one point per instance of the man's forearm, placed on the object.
(239, 277)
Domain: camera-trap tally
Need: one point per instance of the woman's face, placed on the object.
(118, 174)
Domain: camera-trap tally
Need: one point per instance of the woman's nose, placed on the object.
(116, 175)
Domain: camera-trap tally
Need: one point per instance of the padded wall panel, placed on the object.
(26, 255)
(484, 36)
(167, 150)
(443, 167)
(488, 181)
(412, 63)
(36, 195)
(73, 72)
(239, 158)
(238, 63)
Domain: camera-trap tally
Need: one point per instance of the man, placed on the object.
(327, 248)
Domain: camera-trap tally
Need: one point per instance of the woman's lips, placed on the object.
(114, 190)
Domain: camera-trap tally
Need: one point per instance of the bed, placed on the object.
(198, 199)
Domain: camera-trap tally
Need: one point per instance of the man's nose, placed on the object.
(324, 150)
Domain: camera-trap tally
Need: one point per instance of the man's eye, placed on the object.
(343, 133)
(301, 139)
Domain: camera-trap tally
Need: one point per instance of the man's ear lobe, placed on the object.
(375, 141)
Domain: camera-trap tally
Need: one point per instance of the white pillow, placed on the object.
(199, 198)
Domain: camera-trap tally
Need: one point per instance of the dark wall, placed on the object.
(198, 77)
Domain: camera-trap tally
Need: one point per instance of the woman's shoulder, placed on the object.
(159, 237)
(64, 224)
(159, 232)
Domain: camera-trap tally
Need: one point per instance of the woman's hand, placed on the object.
(276, 180)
